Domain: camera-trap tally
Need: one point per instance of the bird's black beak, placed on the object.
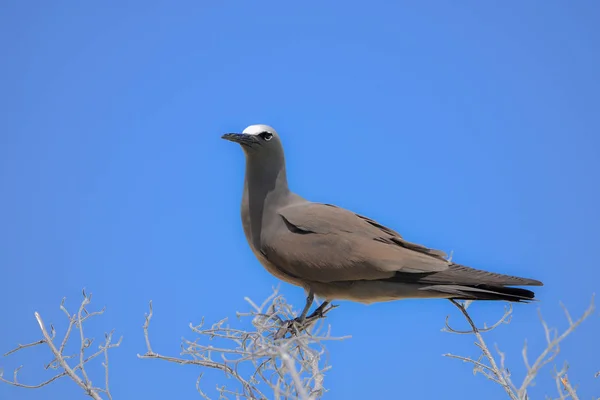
(241, 138)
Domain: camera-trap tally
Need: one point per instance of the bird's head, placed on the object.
(265, 161)
(258, 140)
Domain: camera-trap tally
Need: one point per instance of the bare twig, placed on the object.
(84, 342)
(505, 319)
(24, 346)
(15, 382)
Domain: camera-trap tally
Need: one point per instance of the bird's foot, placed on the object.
(297, 325)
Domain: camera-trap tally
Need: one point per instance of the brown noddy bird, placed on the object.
(334, 253)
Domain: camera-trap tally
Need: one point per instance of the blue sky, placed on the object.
(466, 126)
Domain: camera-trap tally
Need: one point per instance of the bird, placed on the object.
(337, 254)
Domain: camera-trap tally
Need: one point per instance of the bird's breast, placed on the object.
(254, 240)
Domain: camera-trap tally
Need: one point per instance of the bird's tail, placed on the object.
(465, 283)
(483, 292)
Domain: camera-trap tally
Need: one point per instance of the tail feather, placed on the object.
(483, 292)
(463, 275)
(465, 283)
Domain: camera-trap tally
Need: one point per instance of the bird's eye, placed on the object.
(267, 136)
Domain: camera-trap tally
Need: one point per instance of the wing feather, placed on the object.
(325, 243)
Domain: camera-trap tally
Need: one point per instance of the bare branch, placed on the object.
(496, 375)
(553, 347)
(60, 360)
(289, 367)
(501, 375)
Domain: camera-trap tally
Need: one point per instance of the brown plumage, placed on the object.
(363, 249)
(337, 254)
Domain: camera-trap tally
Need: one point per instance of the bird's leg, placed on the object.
(309, 300)
(297, 324)
(303, 322)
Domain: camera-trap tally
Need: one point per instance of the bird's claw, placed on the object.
(297, 325)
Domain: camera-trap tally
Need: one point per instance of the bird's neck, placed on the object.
(265, 190)
(265, 181)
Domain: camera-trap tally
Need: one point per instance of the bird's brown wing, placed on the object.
(325, 243)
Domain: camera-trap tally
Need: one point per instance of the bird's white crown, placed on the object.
(256, 129)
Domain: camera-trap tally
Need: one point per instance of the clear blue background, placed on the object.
(467, 126)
